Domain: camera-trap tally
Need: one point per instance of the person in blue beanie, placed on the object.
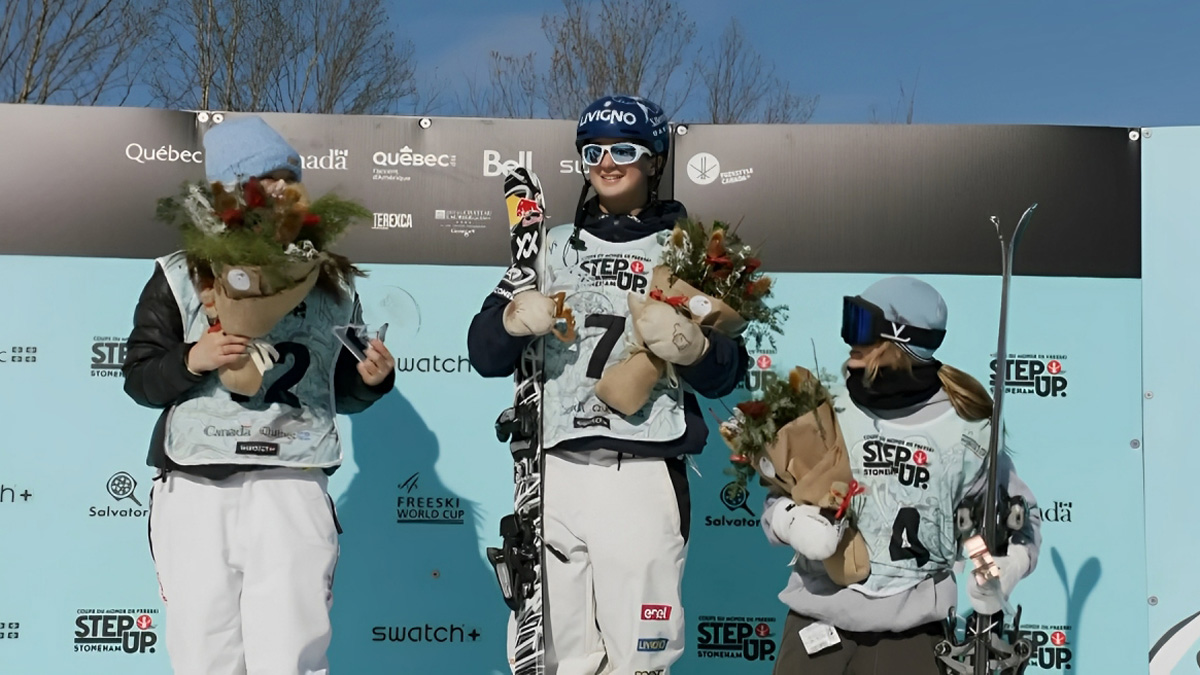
(917, 433)
(243, 533)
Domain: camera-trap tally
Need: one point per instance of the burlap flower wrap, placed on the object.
(626, 386)
(248, 301)
(808, 461)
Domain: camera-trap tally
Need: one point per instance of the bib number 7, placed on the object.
(614, 328)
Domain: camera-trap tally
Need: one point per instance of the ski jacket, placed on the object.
(495, 353)
(156, 374)
(923, 462)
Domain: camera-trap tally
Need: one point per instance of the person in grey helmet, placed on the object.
(917, 433)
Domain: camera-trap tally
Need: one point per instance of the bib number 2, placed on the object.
(281, 390)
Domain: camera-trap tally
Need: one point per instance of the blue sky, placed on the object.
(1018, 62)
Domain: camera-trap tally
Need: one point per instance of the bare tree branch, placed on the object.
(73, 51)
(741, 87)
(317, 56)
(617, 46)
(905, 106)
(784, 107)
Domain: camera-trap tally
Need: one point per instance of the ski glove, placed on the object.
(991, 597)
(806, 529)
(529, 313)
(668, 334)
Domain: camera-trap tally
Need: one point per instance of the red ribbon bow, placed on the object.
(855, 490)
(674, 300)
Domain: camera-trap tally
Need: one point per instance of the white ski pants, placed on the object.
(614, 606)
(245, 566)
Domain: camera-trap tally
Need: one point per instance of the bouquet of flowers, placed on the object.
(711, 278)
(791, 438)
(256, 254)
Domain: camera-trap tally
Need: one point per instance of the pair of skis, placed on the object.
(519, 562)
(985, 651)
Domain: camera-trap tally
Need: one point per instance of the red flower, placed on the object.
(755, 410)
(255, 197)
(752, 264)
(311, 219)
(739, 459)
(232, 218)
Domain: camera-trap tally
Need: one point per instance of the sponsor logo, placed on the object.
(1041, 374)
(108, 355)
(332, 160)
(392, 221)
(651, 644)
(414, 508)
(463, 221)
(704, 168)
(907, 460)
(656, 612)
(493, 165)
(734, 497)
(426, 633)
(164, 153)
(1060, 512)
(626, 272)
(131, 631)
(258, 449)
(9, 494)
(724, 637)
(121, 486)
(433, 364)
(10, 630)
(1051, 646)
(407, 158)
(658, 671)
(570, 166)
(19, 354)
(758, 377)
(610, 115)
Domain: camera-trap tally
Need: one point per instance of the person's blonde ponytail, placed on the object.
(967, 395)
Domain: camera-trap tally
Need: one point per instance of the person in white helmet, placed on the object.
(917, 433)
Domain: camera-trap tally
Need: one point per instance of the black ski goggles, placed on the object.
(864, 324)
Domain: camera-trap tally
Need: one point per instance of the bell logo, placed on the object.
(656, 612)
(494, 166)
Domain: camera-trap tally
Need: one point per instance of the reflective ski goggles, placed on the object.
(864, 324)
(621, 153)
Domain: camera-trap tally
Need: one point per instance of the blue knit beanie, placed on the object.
(246, 147)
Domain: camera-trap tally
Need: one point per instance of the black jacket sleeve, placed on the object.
(352, 395)
(718, 373)
(155, 367)
(491, 350)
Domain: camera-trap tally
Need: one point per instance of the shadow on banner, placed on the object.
(413, 596)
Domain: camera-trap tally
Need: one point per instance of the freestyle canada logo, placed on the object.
(907, 460)
(413, 507)
(108, 355)
(131, 631)
(121, 487)
(495, 165)
(734, 497)
(19, 354)
(427, 633)
(1052, 648)
(735, 637)
(136, 152)
(704, 168)
(1041, 374)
